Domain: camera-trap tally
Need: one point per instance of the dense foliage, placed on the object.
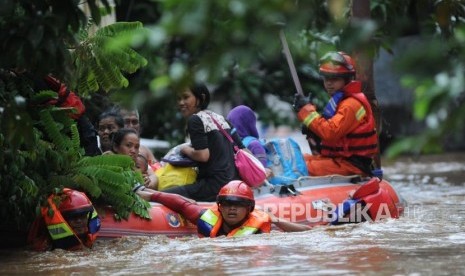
(47, 155)
(40, 144)
(38, 34)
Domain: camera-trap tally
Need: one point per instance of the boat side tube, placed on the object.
(368, 199)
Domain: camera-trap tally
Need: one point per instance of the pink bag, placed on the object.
(250, 169)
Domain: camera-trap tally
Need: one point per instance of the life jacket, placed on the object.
(363, 141)
(211, 220)
(62, 234)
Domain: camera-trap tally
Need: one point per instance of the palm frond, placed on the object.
(116, 160)
(89, 184)
(62, 181)
(75, 141)
(52, 129)
(28, 186)
(43, 96)
(119, 28)
(104, 175)
(100, 65)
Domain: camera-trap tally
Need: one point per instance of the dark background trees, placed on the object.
(236, 49)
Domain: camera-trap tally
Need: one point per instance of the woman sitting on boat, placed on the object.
(132, 120)
(211, 150)
(234, 213)
(126, 141)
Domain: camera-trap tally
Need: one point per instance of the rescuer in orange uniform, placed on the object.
(346, 128)
(233, 215)
(68, 221)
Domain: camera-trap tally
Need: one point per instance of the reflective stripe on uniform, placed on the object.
(209, 217)
(245, 230)
(309, 119)
(94, 214)
(360, 113)
(59, 231)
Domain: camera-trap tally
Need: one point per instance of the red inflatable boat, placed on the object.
(309, 200)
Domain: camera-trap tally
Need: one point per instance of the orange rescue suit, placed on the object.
(350, 132)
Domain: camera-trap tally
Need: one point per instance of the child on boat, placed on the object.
(244, 122)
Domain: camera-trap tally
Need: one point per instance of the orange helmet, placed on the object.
(236, 191)
(74, 203)
(337, 64)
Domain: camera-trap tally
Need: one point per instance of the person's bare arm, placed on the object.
(288, 226)
(197, 155)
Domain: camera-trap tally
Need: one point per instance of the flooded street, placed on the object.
(428, 240)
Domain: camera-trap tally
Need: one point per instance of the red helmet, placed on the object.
(337, 64)
(236, 191)
(74, 203)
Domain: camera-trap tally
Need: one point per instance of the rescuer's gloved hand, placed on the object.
(300, 101)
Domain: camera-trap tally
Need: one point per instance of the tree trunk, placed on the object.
(364, 64)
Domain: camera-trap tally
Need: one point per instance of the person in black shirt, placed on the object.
(209, 147)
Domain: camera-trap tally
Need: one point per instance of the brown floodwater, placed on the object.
(428, 240)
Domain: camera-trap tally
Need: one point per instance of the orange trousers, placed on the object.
(318, 165)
